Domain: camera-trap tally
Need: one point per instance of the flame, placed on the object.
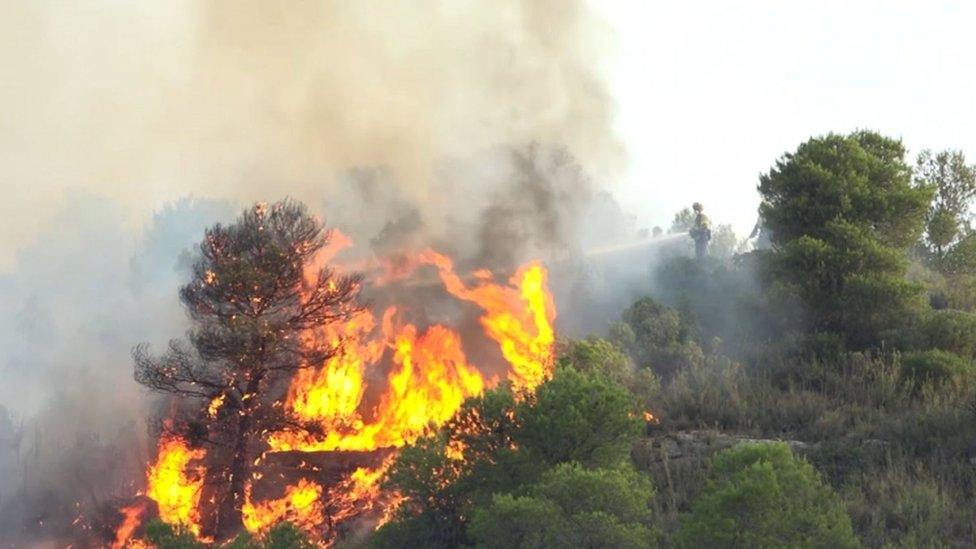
(301, 505)
(175, 485)
(360, 492)
(431, 375)
(215, 404)
(519, 317)
(131, 519)
(428, 378)
(332, 394)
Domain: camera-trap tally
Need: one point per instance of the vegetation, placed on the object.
(843, 212)
(249, 300)
(524, 455)
(281, 536)
(760, 495)
(853, 337)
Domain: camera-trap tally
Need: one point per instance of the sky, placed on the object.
(710, 93)
(146, 103)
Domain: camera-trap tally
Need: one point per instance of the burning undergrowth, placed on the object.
(309, 366)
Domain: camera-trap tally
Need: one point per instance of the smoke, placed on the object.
(150, 102)
(81, 297)
(483, 128)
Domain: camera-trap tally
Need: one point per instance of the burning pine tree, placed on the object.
(252, 301)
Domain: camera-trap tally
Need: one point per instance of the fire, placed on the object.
(428, 378)
(175, 485)
(332, 393)
(519, 317)
(301, 505)
(131, 519)
(360, 492)
(215, 404)
(431, 375)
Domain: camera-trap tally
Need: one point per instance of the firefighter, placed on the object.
(701, 231)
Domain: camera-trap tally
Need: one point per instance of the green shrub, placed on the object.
(953, 331)
(934, 367)
(961, 292)
(904, 505)
(577, 417)
(760, 495)
(164, 536)
(657, 337)
(599, 356)
(574, 417)
(571, 507)
(519, 522)
(286, 536)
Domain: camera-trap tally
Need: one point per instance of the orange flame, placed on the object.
(432, 376)
(429, 379)
(518, 317)
(175, 485)
(131, 519)
(301, 505)
(360, 492)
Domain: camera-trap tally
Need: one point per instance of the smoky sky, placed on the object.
(140, 104)
(482, 128)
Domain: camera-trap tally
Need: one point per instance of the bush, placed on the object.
(164, 536)
(953, 331)
(594, 355)
(571, 507)
(961, 292)
(657, 337)
(282, 536)
(577, 417)
(760, 495)
(707, 395)
(516, 522)
(903, 505)
(934, 367)
(507, 446)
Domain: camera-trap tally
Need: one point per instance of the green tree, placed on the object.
(657, 336)
(596, 355)
(954, 183)
(960, 259)
(724, 243)
(505, 446)
(571, 507)
(760, 495)
(250, 299)
(682, 222)
(577, 417)
(843, 213)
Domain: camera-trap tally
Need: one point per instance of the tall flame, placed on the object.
(131, 519)
(430, 380)
(301, 505)
(519, 317)
(360, 492)
(175, 485)
(431, 377)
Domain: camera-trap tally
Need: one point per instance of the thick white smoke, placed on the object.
(481, 126)
(242, 99)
